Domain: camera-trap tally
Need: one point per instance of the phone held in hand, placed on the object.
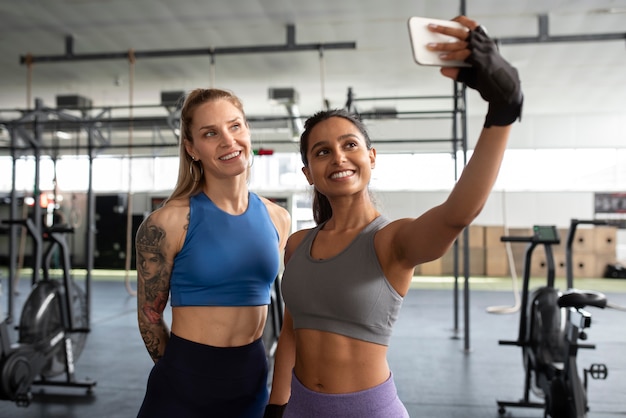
(421, 36)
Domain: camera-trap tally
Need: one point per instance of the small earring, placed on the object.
(191, 171)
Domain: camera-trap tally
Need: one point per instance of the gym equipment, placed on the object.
(276, 315)
(551, 323)
(615, 271)
(273, 325)
(52, 330)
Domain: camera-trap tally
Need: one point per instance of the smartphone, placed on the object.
(420, 36)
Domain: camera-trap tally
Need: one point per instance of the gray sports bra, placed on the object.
(347, 294)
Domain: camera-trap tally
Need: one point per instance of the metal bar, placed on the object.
(38, 250)
(543, 26)
(289, 46)
(90, 232)
(402, 98)
(13, 243)
(544, 36)
(67, 122)
(455, 148)
(562, 38)
(175, 144)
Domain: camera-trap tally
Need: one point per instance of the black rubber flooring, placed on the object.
(435, 375)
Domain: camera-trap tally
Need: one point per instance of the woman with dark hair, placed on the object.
(215, 247)
(345, 279)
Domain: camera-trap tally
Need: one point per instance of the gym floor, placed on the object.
(435, 375)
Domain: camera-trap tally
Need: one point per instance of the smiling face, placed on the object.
(220, 139)
(339, 161)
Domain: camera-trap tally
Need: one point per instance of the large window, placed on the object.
(522, 170)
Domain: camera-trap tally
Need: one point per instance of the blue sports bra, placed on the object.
(226, 260)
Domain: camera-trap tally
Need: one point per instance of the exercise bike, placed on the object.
(551, 324)
(53, 326)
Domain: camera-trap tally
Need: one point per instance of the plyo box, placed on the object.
(496, 262)
(584, 240)
(605, 240)
(476, 261)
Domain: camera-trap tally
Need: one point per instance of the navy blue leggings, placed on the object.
(197, 380)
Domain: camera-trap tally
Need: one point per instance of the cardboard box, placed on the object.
(601, 261)
(539, 266)
(431, 268)
(496, 262)
(476, 237)
(476, 260)
(492, 236)
(518, 251)
(605, 240)
(519, 247)
(584, 266)
(584, 240)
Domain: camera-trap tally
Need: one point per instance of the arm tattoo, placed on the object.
(154, 273)
(152, 342)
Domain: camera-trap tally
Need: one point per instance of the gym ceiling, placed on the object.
(571, 54)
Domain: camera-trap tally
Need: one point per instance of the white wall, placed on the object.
(513, 209)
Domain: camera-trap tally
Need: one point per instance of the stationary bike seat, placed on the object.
(580, 298)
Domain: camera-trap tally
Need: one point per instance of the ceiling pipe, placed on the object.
(545, 37)
(289, 46)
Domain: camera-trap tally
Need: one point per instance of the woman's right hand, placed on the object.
(490, 74)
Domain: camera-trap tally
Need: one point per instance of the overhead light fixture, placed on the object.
(384, 113)
(172, 98)
(283, 95)
(73, 101)
(62, 135)
(609, 10)
(288, 97)
(4, 133)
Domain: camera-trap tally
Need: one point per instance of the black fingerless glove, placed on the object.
(274, 411)
(494, 78)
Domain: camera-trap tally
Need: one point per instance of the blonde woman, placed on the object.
(214, 250)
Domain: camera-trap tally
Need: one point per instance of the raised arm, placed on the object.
(429, 236)
(155, 255)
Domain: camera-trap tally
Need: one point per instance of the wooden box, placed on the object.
(476, 237)
(584, 240)
(492, 236)
(584, 266)
(601, 261)
(496, 262)
(476, 260)
(605, 240)
(539, 267)
(431, 268)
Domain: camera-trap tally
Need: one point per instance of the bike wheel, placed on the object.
(41, 321)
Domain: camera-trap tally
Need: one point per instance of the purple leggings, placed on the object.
(378, 402)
